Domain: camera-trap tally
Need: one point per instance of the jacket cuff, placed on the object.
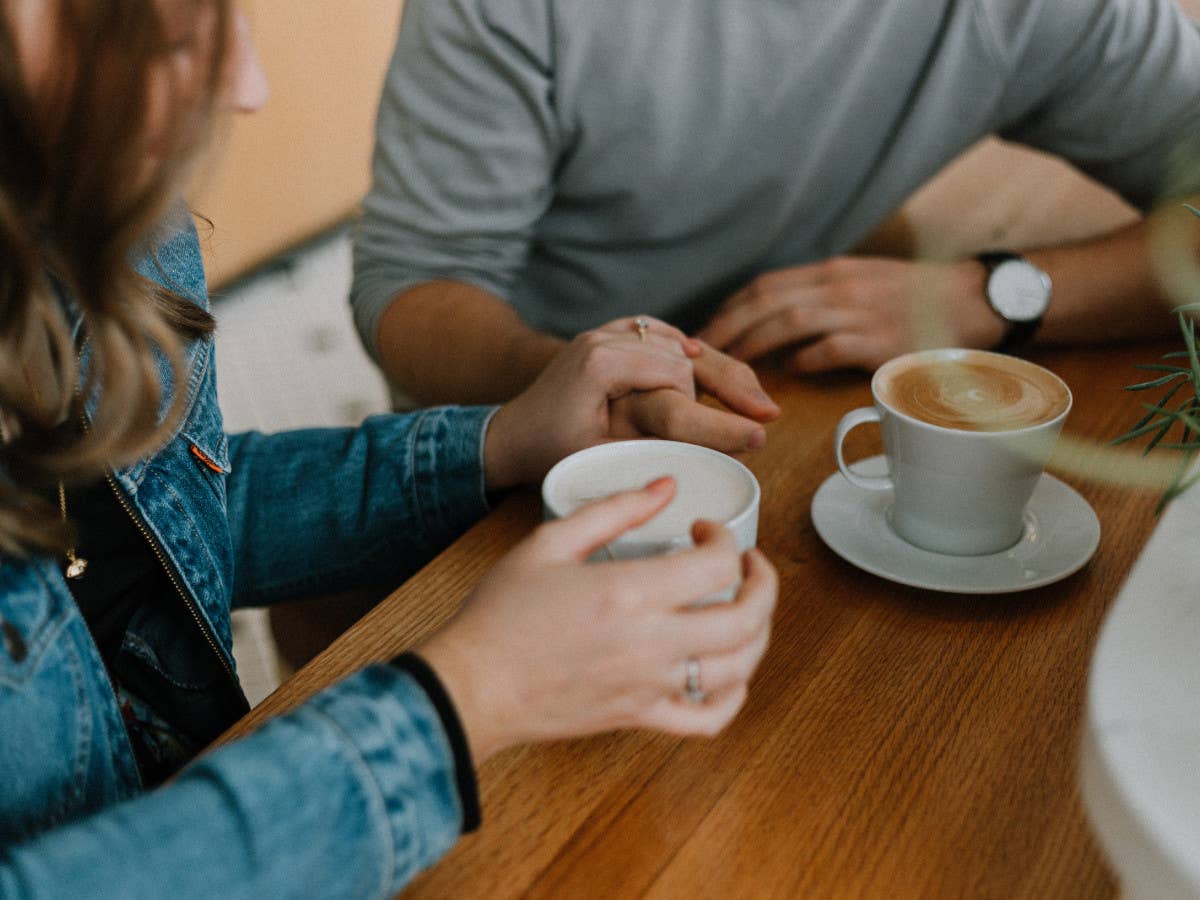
(447, 467)
(409, 762)
(468, 788)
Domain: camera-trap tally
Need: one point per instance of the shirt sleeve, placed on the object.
(349, 796)
(1110, 85)
(466, 138)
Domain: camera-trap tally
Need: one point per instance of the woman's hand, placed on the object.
(855, 312)
(549, 646)
(609, 384)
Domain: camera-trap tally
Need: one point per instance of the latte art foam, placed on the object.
(980, 392)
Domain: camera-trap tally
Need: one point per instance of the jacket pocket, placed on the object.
(45, 689)
(31, 612)
(165, 661)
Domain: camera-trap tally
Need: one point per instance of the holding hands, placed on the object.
(667, 414)
(549, 646)
(629, 378)
(855, 312)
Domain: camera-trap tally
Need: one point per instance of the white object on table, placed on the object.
(1140, 767)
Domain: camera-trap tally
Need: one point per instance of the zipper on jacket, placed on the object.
(173, 577)
(155, 547)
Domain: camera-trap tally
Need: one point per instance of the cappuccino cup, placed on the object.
(967, 434)
(708, 485)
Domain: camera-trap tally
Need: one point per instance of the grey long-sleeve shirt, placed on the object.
(584, 159)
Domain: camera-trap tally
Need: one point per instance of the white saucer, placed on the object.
(1061, 534)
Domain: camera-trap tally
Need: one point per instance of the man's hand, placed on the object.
(671, 415)
(851, 312)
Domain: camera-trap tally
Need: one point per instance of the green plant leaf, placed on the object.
(1150, 415)
(1189, 338)
(1159, 420)
(1159, 367)
(1138, 432)
(1158, 382)
(1153, 442)
(1145, 425)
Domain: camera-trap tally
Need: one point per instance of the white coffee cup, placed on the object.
(709, 485)
(967, 434)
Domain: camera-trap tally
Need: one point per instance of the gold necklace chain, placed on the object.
(76, 565)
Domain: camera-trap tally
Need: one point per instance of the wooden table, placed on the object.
(896, 742)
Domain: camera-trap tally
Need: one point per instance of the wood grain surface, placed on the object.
(896, 742)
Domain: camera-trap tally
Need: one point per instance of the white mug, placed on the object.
(957, 491)
(709, 485)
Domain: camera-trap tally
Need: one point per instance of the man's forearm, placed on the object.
(1120, 286)
(450, 342)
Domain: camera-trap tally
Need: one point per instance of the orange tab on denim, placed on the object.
(200, 455)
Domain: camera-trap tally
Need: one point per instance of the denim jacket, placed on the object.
(348, 796)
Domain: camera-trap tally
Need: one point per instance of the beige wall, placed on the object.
(302, 163)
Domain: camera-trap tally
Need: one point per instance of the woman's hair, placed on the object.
(83, 181)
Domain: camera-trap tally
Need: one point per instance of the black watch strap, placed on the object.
(1016, 334)
(993, 258)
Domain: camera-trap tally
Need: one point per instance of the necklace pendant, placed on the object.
(77, 567)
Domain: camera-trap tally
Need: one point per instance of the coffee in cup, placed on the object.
(967, 434)
(978, 392)
(708, 485)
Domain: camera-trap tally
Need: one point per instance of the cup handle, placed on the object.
(849, 421)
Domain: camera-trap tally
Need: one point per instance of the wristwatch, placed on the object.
(1018, 292)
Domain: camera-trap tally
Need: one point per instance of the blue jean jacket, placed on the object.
(350, 795)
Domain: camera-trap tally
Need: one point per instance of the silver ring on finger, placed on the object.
(691, 685)
(642, 324)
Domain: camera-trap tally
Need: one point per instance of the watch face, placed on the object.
(1019, 290)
